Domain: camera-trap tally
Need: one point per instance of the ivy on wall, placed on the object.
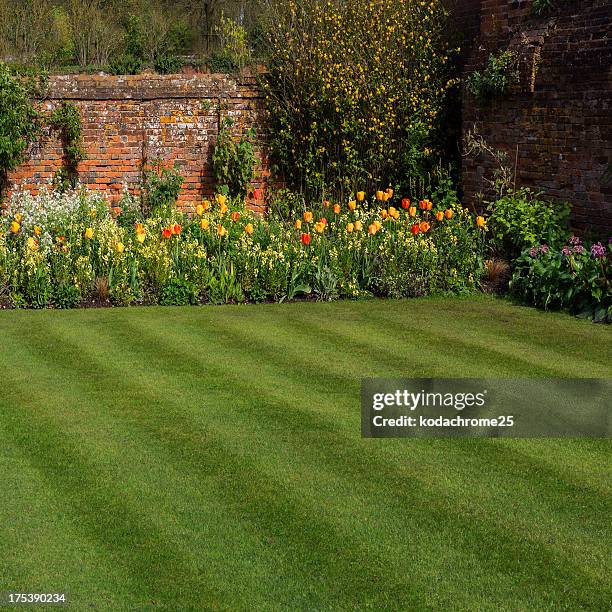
(67, 120)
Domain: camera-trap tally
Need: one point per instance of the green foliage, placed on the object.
(67, 119)
(495, 80)
(19, 121)
(235, 50)
(541, 7)
(354, 91)
(126, 63)
(179, 292)
(570, 278)
(66, 295)
(221, 63)
(161, 191)
(233, 162)
(168, 64)
(520, 220)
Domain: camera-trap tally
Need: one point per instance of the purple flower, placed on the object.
(567, 251)
(598, 250)
(578, 249)
(544, 248)
(574, 240)
(533, 252)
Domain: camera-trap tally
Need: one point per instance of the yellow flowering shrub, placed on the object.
(354, 90)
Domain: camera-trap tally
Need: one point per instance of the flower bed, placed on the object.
(575, 277)
(63, 249)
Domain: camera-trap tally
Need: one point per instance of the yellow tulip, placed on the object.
(298, 224)
(18, 217)
(223, 208)
(248, 228)
(352, 204)
(383, 213)
(412, 211)
(360, 196)
(378, 225)
(480, 221)
(358, 226)
(319, 227)
(221, 199)
(141, 236)
(349, 228)
(15, 227)
(32, 244)
(199, 210)
(380, 196)
(389, 193)
(89, 233)
(120, 247)
(204, 224)
(221, 231)
(37, 230)
(206, 205)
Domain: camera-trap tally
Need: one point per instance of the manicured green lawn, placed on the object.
(211, 457)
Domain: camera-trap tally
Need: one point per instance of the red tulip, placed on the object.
(306, 239)
(406, 203)
(415, 229)
(166, 233)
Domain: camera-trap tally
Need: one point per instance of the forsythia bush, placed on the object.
(59, 249)
(354, 89)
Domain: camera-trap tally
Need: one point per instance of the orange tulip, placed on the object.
(166, 233)
(320, 227)
(439, 215)
(337, 209)
(358, 226)
(480, 221)
(248, 228)
(383, 213)
(448, 213)
(37, 230)
(298, 224)
(352, 205)
(349, 228)
(406, 203)
(360, 196)
(326, 203)
(424, 226)
(206, 205)
(372, 229)
(412, 211)
(380, 196)
(221, 231)
(15, 227)
(175, 229)
(308, 217)
(235, 216)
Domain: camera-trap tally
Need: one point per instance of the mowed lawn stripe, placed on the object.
(289, 465)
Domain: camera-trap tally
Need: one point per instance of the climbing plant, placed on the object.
(496, 78)
(66, 119)
(19, 120)
(233, 162)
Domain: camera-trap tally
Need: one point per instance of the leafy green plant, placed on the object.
(168, 64)
(66, 295)
(235, 51)
(497, 77)
(67, 119)
(179, 292)
(161, 191)
(541, 7)
(19, 120)
(521, 219)
(575, 277)
(233, 162)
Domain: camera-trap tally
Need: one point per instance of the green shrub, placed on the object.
(179, 292)
(66, 295)
(497, 77)
(575, 277)
(161, 191)
(126, 63)
(233, 162)
(168, 64)
(520, 220)
(19, 121)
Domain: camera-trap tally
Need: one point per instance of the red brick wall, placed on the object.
(131, 121)
(560, 115)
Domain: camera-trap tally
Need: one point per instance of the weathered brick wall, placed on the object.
(560, 115)
(129, 122)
